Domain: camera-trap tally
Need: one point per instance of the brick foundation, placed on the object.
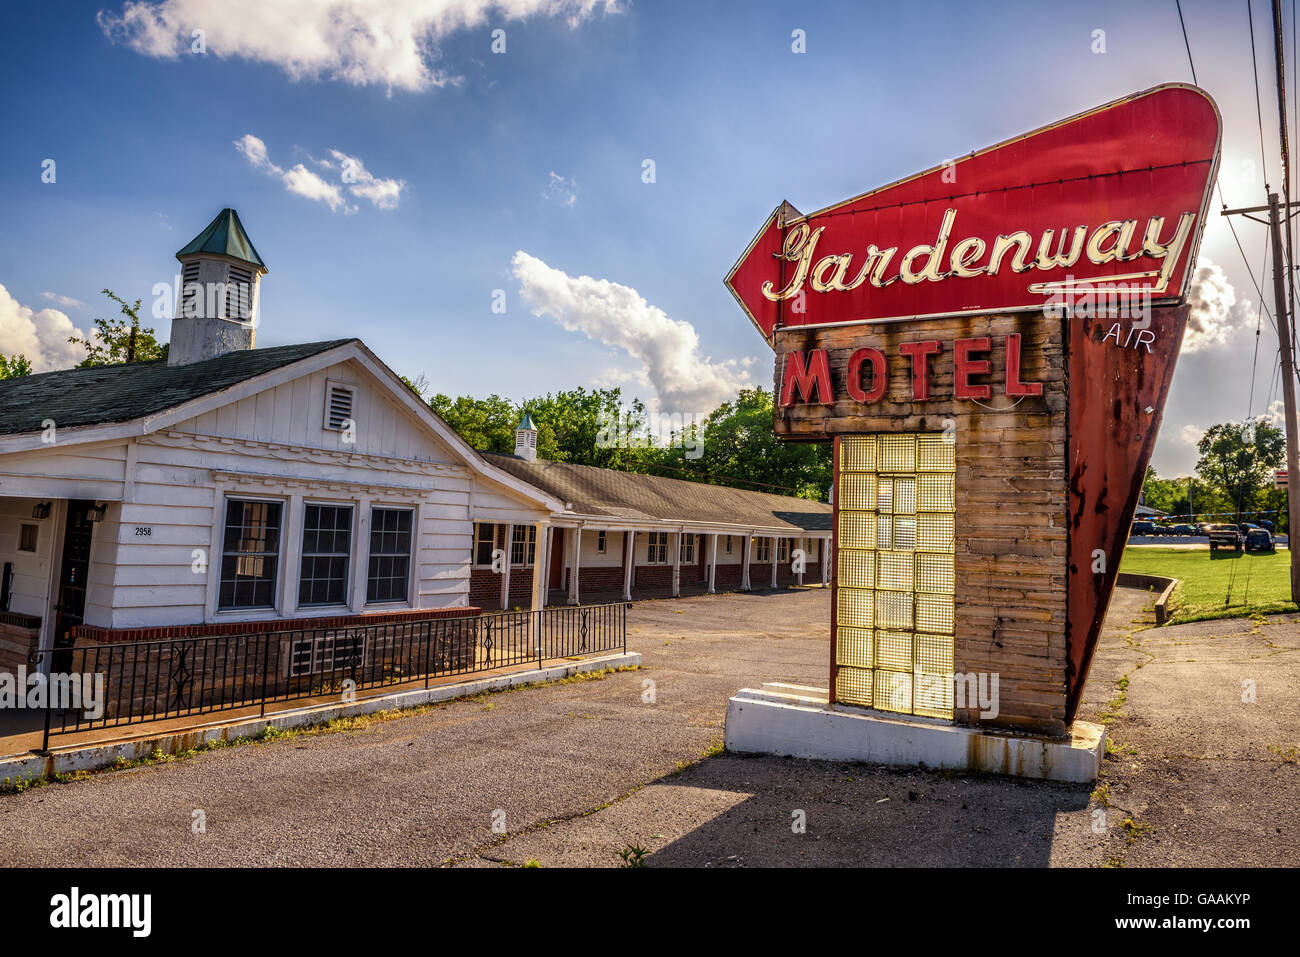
(20, 636)
(90, 633)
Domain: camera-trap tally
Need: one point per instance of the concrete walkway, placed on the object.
(578, 772)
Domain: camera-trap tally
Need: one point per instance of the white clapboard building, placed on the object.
(231, 488)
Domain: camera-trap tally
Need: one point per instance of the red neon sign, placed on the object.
(1116, 196)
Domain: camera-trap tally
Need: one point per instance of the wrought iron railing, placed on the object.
(183, 677)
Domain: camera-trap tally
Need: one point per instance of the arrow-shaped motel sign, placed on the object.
(1025, 303)
(1115, 195)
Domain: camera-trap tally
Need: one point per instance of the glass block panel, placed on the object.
(936, 452)
(894, 650)
(934, 532)
(932, 695)
(857, 568)
(904, 536)
(895, 578)
(904, 496)
(893, 691)
(857, 529)
(854, 647)
(853, 686)
(858, 453)
(854, 608)
(897, 453)
(933, 654)
(934, 573)
(934, 492)
(934, 613)
(894, 571)
(857, 491)
(893, 609)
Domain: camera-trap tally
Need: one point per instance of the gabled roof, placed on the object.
(225, 236)
(637, 497)
(105, 394)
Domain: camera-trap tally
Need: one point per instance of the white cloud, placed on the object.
(668, 349)
(562, 190)
(393, 43)
(351, 170)
(382, 193)
(40, 336)
(1191, 435)
(65, 301)
(1215, 315)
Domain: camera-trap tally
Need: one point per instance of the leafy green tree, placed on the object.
(11, 367)
(1238, 459)
(113, 345)
(740, 448)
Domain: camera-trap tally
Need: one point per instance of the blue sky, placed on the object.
(540, 150)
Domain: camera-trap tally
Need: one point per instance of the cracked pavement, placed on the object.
(578, 772)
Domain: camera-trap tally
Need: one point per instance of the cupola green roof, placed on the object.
(225, 236)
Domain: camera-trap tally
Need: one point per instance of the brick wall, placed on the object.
(20, 635)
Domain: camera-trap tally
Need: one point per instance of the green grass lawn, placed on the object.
(1227, 585)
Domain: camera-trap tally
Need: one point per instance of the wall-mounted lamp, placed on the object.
(95, 514)
(41, 510)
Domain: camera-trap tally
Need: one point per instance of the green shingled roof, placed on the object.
(106, 394)
(225, 236)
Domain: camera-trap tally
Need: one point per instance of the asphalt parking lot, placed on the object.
(578, 773)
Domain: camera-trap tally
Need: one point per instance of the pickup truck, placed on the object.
(1224, 536)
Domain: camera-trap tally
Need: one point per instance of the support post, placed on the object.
(1283, 317)
(629, 561)
(746, 547)
(539, 566)
(773, 554)
(824, 551)
(677, 564)
(713, 563)
(505, 567)
(575, 549)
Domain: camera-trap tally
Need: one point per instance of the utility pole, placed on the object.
(1283, 316)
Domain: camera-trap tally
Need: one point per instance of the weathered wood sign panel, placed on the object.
(1024, 308)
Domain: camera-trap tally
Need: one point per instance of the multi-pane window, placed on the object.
(485, 539)
(728, 544)
(762, 549)
(687, 550)
(250, 554)
(894, 588)
(657, 548)
(388, 577)
(783, 550)
(600, 541)
(523, 545)
(326, 551)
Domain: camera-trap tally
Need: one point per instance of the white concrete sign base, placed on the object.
(794, 721)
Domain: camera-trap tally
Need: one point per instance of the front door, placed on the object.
(71, 606)
(557, 558)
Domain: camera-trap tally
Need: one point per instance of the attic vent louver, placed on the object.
(191, 291)
(338, 406)
(239, 294)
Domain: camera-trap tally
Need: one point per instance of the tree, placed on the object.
(1238, 459)
(15, 366)
(112, 345)
(740, 448)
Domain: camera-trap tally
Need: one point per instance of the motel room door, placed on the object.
(556, 579)
(71, 605)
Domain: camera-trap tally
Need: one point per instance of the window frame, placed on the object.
(303, 554)
(528, 545)
(491, 541)
(654, 545)
(277, 579)
(762, 549)
(409, 556)
(36, 538)
(686, 549)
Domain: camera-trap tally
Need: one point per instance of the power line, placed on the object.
(1178, 3)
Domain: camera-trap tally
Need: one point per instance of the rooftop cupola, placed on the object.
(526, 439)
(221, 274)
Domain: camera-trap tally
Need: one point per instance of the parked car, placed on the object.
(1265, 523)
(1224, 536)
(1259, 540)
(1142, 528)
(1184, 529)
